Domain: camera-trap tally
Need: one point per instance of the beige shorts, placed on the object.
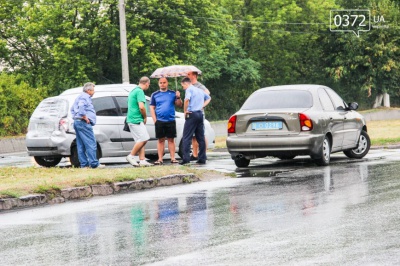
(139, 132)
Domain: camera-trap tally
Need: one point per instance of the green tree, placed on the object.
(17, 102)
(367, 65)
(195, 32)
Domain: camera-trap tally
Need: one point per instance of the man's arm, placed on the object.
(142, 109)
(153, 113)
(178, 100)
(206, 102)
(185, 106)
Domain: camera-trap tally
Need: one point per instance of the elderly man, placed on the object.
(195, 101)
(84, 117)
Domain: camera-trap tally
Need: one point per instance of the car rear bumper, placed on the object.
(255, 147)
(49, 145)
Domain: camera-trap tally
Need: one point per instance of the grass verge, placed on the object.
(16, 182)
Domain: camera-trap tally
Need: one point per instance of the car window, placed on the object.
(55, 107)
(325, 100)
(148, 108)
(336, 99)
(273, 99)
(105, 106)
(122, 102)
(123, 105)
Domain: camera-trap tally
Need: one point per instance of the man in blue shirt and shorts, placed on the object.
(162, 109)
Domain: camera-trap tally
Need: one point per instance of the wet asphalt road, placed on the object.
(276, 213)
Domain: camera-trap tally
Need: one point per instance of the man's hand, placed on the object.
(145, 120)
(86, 119)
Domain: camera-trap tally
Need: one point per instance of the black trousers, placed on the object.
(194, 124)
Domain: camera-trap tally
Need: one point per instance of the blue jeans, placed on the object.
(86, 144)
(194, 125)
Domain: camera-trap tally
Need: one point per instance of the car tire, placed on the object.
(364, 144)
(324, 155)
(74, 159)
(47, 161)
(242, 162)
(286, 157)
(152, 157)
(180, 151)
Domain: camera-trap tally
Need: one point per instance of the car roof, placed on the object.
(307, 87)
(102, 88)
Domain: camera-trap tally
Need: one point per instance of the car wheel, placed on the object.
(242, 162)
(180, 151)
(286, 157)
(74, 159)
(152, 157)
(47, 161)
(324, 155)
(364, 143)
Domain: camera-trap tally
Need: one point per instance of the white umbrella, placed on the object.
(174, 71)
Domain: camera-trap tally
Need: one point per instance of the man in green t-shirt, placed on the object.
(136, 119)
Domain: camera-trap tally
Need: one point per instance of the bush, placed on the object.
(17, 102)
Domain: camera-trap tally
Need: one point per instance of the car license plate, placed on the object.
(266, 125)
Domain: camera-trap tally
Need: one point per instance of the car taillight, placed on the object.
(305, 122)
(232, 124)
(63, 124)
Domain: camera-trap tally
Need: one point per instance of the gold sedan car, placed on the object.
(290, 120)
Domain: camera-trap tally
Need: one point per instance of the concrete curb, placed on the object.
(76, 193)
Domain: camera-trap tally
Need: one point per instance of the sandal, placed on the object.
(158, 163)
(174, 161)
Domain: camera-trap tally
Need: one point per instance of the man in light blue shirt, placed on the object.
(195, 101)
(84, 117)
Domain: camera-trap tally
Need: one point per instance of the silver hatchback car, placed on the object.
(286, 121)
(51, 134)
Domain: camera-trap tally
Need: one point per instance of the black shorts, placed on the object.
(165, 129)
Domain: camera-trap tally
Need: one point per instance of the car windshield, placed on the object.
(52, 107)
(278, 99)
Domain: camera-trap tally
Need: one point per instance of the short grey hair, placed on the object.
(144, 80)
(88, 86)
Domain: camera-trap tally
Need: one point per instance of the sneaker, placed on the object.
(193, 158)
(184, 163)
(132, 160)
(100, 166)
(144, 163)
(201, 162)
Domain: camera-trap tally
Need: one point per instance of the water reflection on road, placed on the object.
(340, 214)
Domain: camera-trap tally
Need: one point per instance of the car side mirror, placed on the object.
(353, 106)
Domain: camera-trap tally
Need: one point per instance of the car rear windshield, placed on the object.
(277, 99)
(54, 107)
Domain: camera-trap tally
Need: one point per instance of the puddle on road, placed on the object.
(261, 173)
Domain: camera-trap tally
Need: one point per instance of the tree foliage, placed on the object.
(17, 101)
(369, 64)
